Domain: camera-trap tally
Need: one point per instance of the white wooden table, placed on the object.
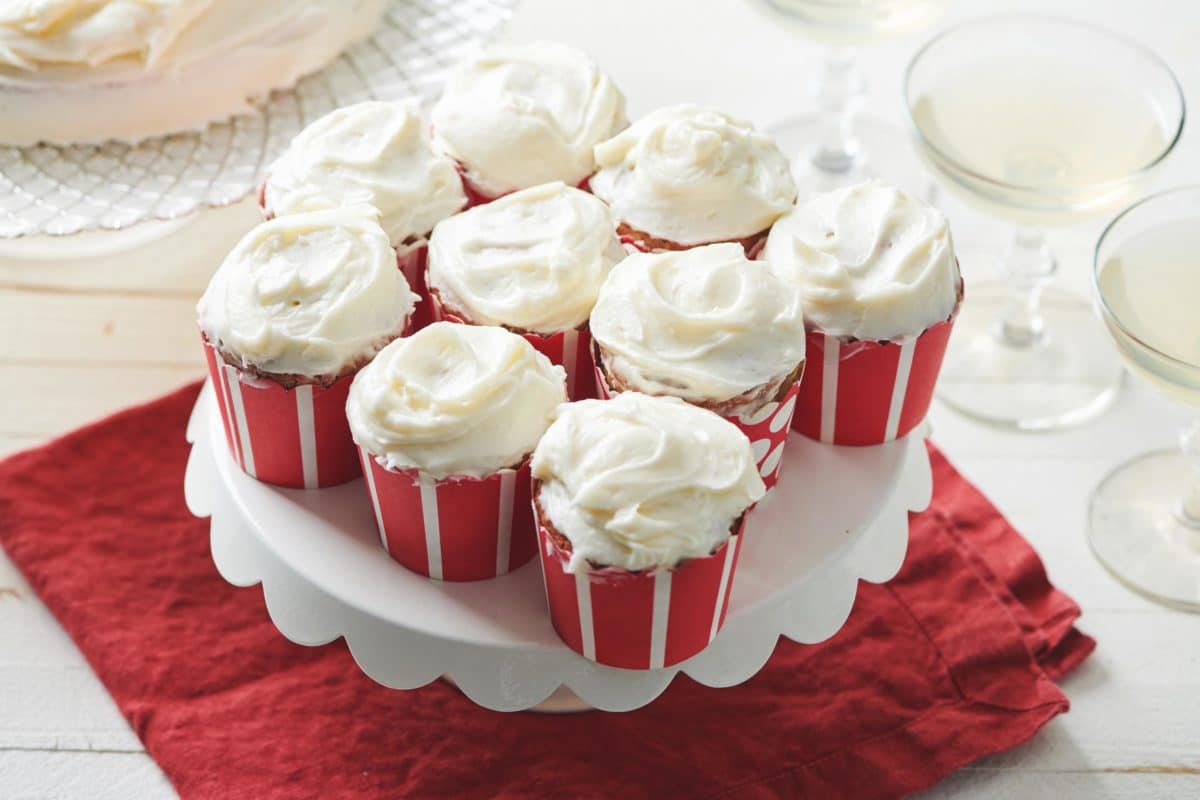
(122, 327)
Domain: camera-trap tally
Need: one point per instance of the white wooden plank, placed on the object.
(53, 399)
(84, 327)
(985, 784)
(41, 775)
(49, 696)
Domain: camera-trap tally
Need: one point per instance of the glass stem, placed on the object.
(1189, 507)
(1030, 264)
(839, 91)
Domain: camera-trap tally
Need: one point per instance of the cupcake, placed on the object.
(532, 262)
(881, 286)
(373, 153)
(640, 503)
(684, 175)
(519, 115)
(296, 309)
(445, 421)
(709, 326)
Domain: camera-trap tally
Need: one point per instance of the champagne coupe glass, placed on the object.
(1144, 520)
(1039, 121)
(835, 146)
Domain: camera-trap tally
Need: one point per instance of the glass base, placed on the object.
(885, 153)
(1070, 376)
(1138, 532)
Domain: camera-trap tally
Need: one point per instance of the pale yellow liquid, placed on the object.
(1152, 286)
(1045, 124)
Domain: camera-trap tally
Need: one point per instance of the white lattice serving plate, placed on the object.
(839, 515)
(56, 191)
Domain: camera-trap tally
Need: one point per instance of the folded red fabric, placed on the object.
(952, 660)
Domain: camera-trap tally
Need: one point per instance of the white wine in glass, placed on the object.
(1144, 520)
(1039, 121)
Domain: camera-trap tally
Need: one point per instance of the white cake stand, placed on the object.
(839, 515)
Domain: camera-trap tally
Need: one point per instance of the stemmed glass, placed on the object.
(1039, 121)
(1144, 520)
(836, 146)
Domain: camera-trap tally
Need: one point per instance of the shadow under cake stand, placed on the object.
(837, 516)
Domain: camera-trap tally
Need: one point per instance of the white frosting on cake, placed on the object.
(517, 115)
(640, 482)
(871, 262)
(705, 324)
(375, 153)
(455, 400)
(692, 175)
(308, 294)
(532, 260)
(90, 70)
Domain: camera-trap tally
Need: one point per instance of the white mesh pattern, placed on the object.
(58, 191)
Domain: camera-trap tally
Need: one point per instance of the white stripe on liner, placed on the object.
(726, 569)
(583, 596)
(239, 413)
(570, 346)
(508, 488)
(829, 386)
(658, 622)
(308, 434)
(433, 532)
(369, 474)
(899, 388)
(223, 389)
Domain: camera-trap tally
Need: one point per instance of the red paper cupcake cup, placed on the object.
(570, 350)
(864, 392)
(453, 529)
(298, 438)
(639, 620)
(767, 428)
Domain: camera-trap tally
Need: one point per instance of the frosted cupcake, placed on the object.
(881, 285)
(520, 115)
(296, 309)
(684, 175)
(533, 262)
(711, 327)
(373, 153)
(640, 502)
(445, 421)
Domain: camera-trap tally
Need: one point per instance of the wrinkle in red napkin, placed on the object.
(950, 661)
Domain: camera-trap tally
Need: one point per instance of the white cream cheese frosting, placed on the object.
(705, 324)
(518, 115)
(374, 153)
(641, 482)
(308, 294)
(871, 262)
(455, 400)
(90, 70)
(693, 175)
(533, 260)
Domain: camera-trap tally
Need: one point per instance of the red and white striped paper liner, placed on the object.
(639, 620)
(767, 428)
(453, 529)
(298, 438)
(570, 350)
(865, 392)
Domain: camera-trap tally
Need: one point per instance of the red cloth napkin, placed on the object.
(952, 660)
